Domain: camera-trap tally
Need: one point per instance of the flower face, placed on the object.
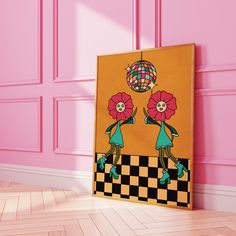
(161, 105)
(120, 106)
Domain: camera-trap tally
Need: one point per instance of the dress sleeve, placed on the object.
(131, 119)
(148, 120)
(108, 130)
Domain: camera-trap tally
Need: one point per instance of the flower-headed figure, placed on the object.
(120, 107)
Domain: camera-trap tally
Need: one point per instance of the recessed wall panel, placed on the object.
(20, 124)
(87, 28)
(20, 42)
(74, 129)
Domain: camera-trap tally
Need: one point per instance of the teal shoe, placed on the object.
(101, 162)
(165, 177)
(113, 172)
(181, 170)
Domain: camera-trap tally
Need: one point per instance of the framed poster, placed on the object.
(144, 126)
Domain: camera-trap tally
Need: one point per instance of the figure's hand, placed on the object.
(134, 113)
(145, 113)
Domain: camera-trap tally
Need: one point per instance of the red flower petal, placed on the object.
(151, 103)
(166, 96)
(120, 116)
(128, 112)
(125, 97)
(152, 112)
(117, 98)
(172, 104)
(156, 96)
(129, 104)
(113, 113)
(111, 105)
(160, 116)
(169, 113)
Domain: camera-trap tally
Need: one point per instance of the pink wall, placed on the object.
(48, 75)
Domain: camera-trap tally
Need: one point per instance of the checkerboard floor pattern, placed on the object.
(138, 181)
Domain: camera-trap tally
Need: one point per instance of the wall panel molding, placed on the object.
(215, 92)
(158, 43)
(56, 77)
(215, 68)
(56, 147)
(38, 101)
(38, 79)
(210, 160)
(158, 23)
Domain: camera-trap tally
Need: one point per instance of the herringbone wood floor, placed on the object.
(39, 211)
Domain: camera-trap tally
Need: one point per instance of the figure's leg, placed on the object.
(170, 155)
(165, 177)
(161, 157)
(180, 167)
(117, 155)
(113, 168)
(103, 159)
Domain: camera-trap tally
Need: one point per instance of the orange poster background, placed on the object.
(175, 74)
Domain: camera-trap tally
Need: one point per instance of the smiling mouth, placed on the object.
(161, 109)
(120, 109)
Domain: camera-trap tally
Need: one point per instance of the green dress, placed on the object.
(163, 139)
(117, 138)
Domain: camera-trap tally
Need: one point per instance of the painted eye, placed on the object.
(122, 105)
(158, 104)
(163, 104)
(118, 105)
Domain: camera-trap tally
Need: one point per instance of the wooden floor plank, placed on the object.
(10, 209)
(120, 226)
(129, 218)
(103, 225)
(88, 227)
(59, 196)
(24, 205)
(58, 233)
(38, 211)
(73, 229)
(48, 199)
(36, 201)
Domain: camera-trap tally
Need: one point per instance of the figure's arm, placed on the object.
(148, 120)
(131, 119)
(108, 130)
(173, 131)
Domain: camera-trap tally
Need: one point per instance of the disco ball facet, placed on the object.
(141, 76)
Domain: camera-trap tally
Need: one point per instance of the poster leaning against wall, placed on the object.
(144, 126)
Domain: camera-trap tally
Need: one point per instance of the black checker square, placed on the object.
(143, 161)
(182, 185)
(133, 190)
(100, 186)
(152, 172)
(142, 182)
(134, 170)
(125, 160)
(173, 174)
(152, 193)
(116, 188)
(125, 179)
(171, 195)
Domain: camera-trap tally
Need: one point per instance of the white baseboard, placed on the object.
(211, 197)
(80, 181)
(215, 197)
